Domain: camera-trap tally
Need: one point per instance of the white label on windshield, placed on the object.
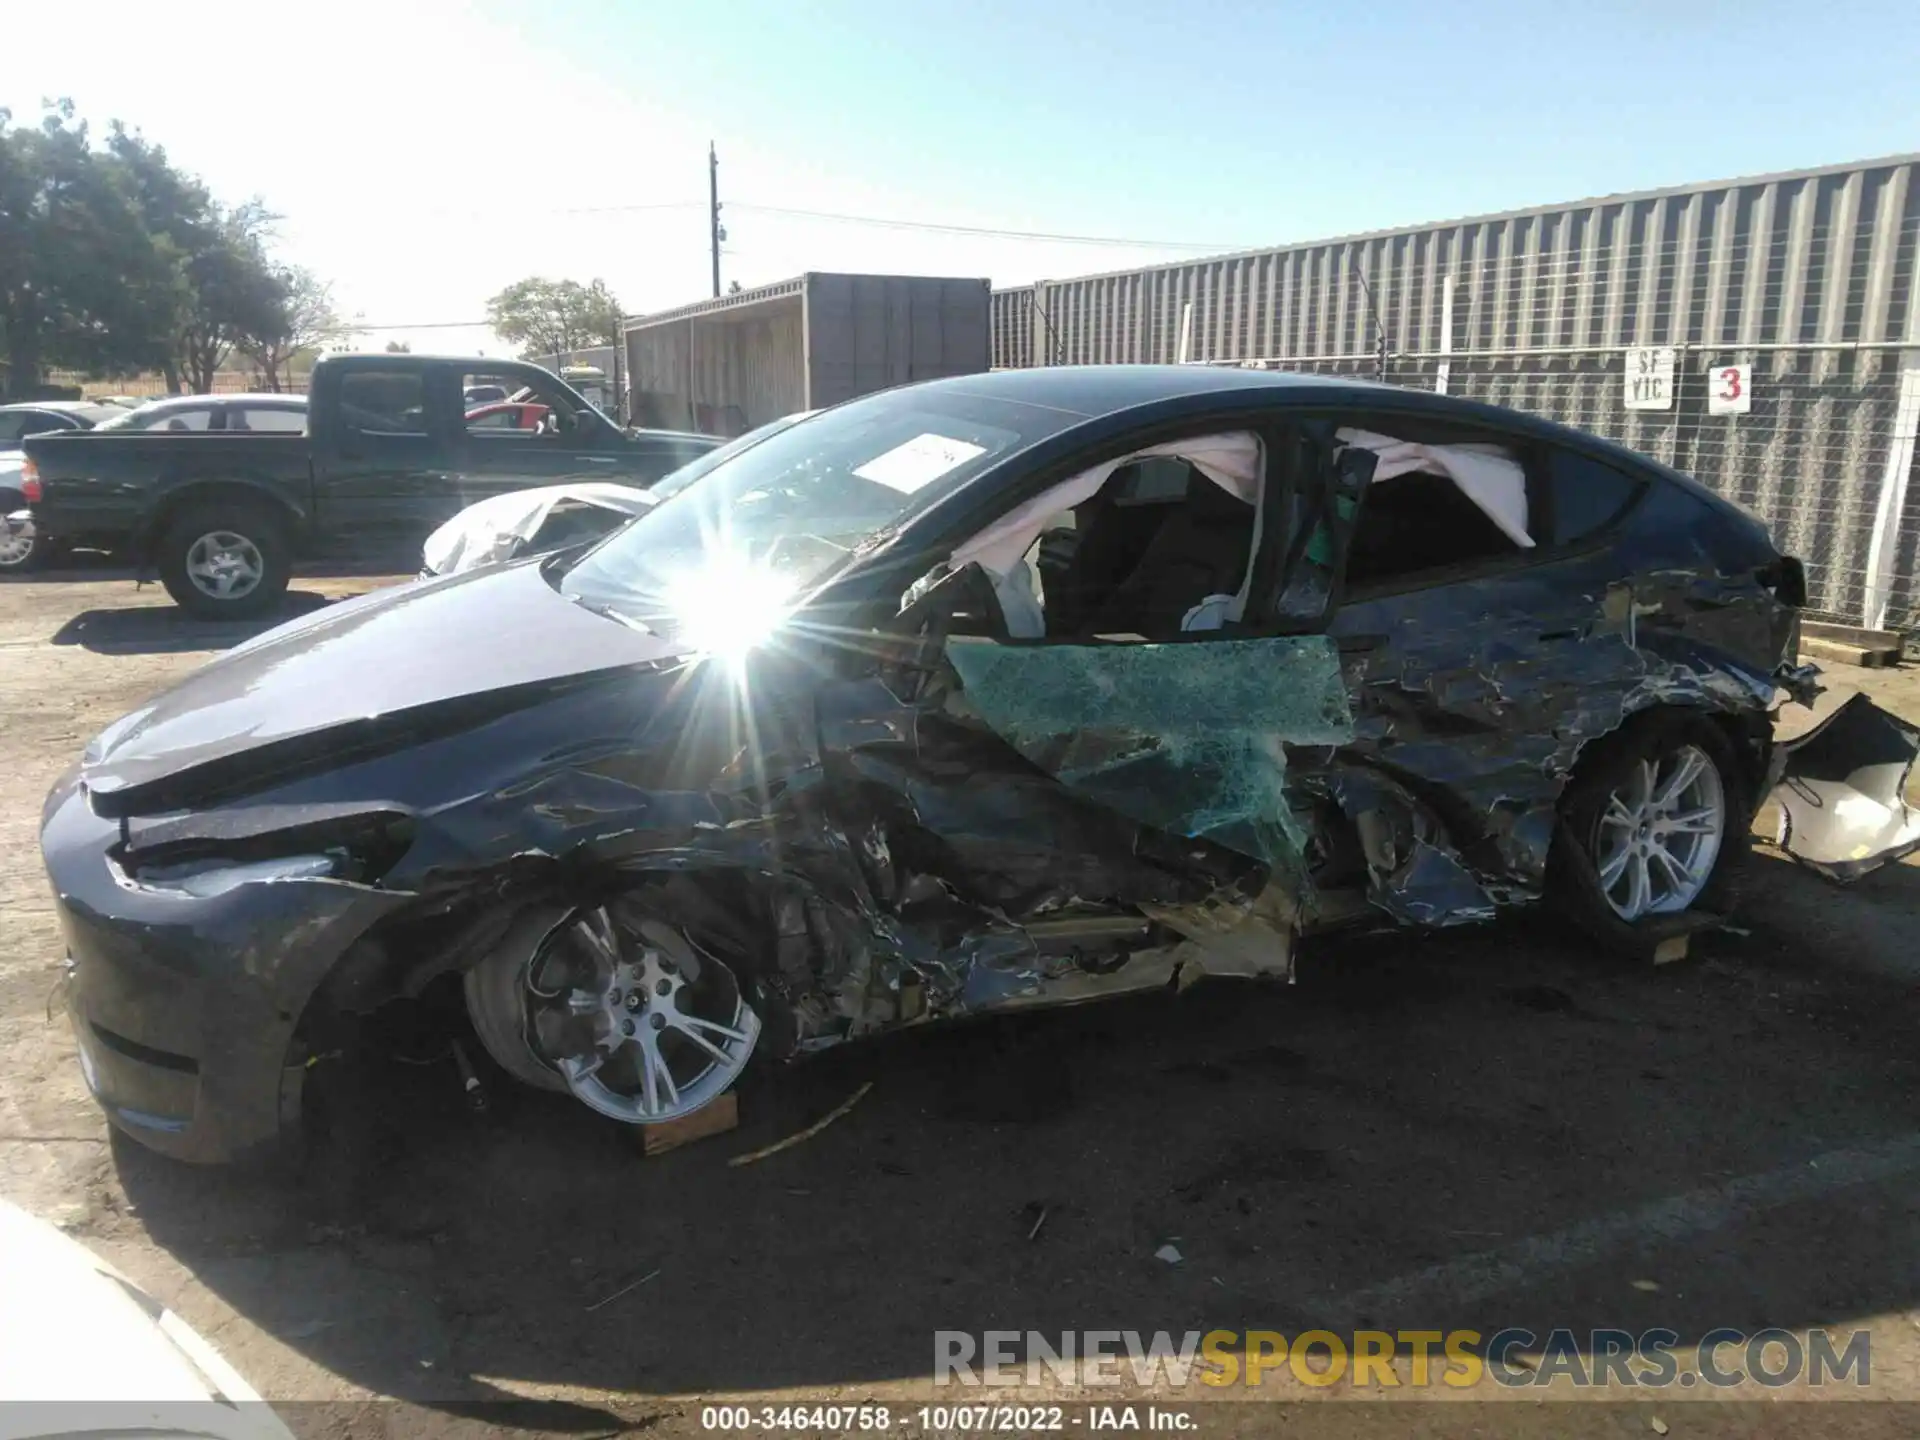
(919, 462)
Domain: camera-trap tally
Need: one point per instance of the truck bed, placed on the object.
(109, 488)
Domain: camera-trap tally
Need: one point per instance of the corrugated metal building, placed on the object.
(731, 363)
(1806, 277)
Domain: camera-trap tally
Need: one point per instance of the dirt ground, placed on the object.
(1485, 1129)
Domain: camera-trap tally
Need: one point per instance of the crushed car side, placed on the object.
(863, 842)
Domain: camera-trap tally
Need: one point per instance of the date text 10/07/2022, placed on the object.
(983, 1419)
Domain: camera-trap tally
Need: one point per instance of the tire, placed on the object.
(19, 558)
(659, 981)
(1607, 877)
(238, 537)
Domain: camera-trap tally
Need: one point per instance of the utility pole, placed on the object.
(715, 232)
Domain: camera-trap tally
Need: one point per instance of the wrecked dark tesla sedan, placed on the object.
(1013, 690)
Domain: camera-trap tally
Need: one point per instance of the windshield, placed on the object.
(696, 469)
(760, 526)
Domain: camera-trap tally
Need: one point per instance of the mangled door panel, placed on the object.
(1842, 791)
(932, 797)
(998, 885)
(1479, 694)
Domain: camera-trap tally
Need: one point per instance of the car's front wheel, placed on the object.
(620, 1010)
(1654, 825)
(225, 562)
(20, 550)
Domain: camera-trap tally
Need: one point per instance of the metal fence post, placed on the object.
(1891, 506)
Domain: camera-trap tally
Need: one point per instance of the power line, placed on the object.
(981, 230)
(884, 222)
(428, 325)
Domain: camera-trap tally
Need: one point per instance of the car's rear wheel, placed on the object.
(225, 562)
(622, 1011)
(1654, 825)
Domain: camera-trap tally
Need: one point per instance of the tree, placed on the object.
(551, 317)
(84, 282)
(224, 286)
(304, 319)
(399, 347)
(112, 260)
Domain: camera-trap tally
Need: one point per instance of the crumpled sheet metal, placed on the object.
(1842, 792)
(1413, 873)
(1484, 698)
(1187, 737)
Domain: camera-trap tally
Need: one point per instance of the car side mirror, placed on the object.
(941, 603)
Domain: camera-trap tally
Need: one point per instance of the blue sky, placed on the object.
(1258, 123)
(426, 153)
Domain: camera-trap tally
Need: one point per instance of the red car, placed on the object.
(507, 415)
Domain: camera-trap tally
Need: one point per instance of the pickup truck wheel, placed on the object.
(225, 562)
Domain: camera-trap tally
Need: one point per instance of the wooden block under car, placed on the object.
(1666, 937)
(709, 1120)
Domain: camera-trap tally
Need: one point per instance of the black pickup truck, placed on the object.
(392, 448)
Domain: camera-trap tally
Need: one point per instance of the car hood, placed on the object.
(427, 656)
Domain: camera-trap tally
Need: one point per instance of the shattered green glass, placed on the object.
(1184, 737)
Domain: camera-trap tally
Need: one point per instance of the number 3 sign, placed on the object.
(1730, 390)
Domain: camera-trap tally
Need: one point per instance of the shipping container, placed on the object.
(728, 364)
(1801, 284)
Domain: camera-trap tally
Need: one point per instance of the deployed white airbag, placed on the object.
(1232, 461)
(491, 530)
(1488, 475)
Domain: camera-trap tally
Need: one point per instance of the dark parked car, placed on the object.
(19, 547)
(1014, 690)
(43, 417)
(383, 456)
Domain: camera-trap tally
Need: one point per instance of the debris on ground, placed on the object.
(807, 1134)
(623, 1290)
(1659, 1426)
(1168, 1253)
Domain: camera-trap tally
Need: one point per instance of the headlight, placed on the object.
(204, 881)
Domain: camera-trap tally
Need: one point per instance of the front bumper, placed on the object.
(184, 1008)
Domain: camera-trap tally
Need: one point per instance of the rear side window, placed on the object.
(1588, 496)
(1416, 524)
(273, 420)
(384, 402)
(19, 424)
(176, 421)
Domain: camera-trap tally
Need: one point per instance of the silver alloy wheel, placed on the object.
(1660, 833)
(639, 1024)
(16, 546)
(225, 565)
